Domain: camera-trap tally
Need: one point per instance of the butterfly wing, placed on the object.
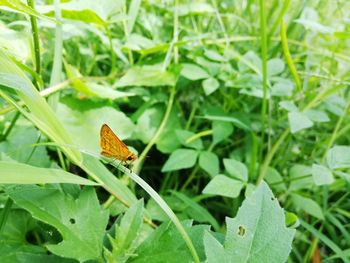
(112, 146)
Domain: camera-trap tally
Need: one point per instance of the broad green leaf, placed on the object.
(236, 169)
(14, 244)
(214, 250)
(338, 157)
(224, 186)
(209, 162)
(22, 148)
(19, 223)
(126, 234)
(149, 76)
(81, 221)
(180, 159)
(309, 19)
(84, 123)
(317, 116)
(300, 177)
(282, 89)
(210, 85)
(195, 211)
(322, 175)
(308, 205)
(193, 72)
(221, 131)
(165, 244)
(148, 123)
(236, 120)
(249, 61)
(87, 16)
(275, 180)
(214, 55)
(298, 121)
(184, 135)
(18, 173)
(288, 105)
(275, 66)
(257, 234)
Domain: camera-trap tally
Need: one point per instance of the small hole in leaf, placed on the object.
(241, 231)
(72, 221)
(272, 198)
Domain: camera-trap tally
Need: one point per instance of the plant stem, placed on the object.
(35, 33)
(264, 71)
(270, 156)
(158, 132)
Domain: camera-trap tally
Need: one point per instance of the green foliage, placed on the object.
(234, 111)
(259, 216)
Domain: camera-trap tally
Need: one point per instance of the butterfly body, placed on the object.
(113, 147)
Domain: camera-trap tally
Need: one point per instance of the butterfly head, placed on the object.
(132, 157)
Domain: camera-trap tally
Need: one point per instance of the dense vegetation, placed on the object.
(238, 112)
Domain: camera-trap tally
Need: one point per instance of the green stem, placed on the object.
(113, 60)
(176, 32)
(35, 33)
(5, 214)
(264, 70)
(288, 57)
(158, 132)
(335, 131)
(270, 156)
(279, 18)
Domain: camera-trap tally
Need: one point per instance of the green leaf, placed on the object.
(132, 15)
(196, 211)
(236, 169)
(126, 234)
(298, 121)
(84, 123)
(81, 222)
(180, 159)
(209, 162)
(321, 175)
(282, 89)
(237, 121)
(213, 55)
(22, 148)
(338, 157)
(275, 66)
(275, 180)
(257, 234)
(214, 251)
(184, 135)
(165, 244)
(300, 177)
(288, 105)
(210, 85)
(222, 185)
(18, 173)
(20, 7)
(193, 72)
(221, 131)
(308, 205)
(149, 76)
(317, 116)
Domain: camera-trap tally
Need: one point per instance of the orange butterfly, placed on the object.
(113, 147)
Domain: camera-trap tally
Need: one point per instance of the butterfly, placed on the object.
(113, 147)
